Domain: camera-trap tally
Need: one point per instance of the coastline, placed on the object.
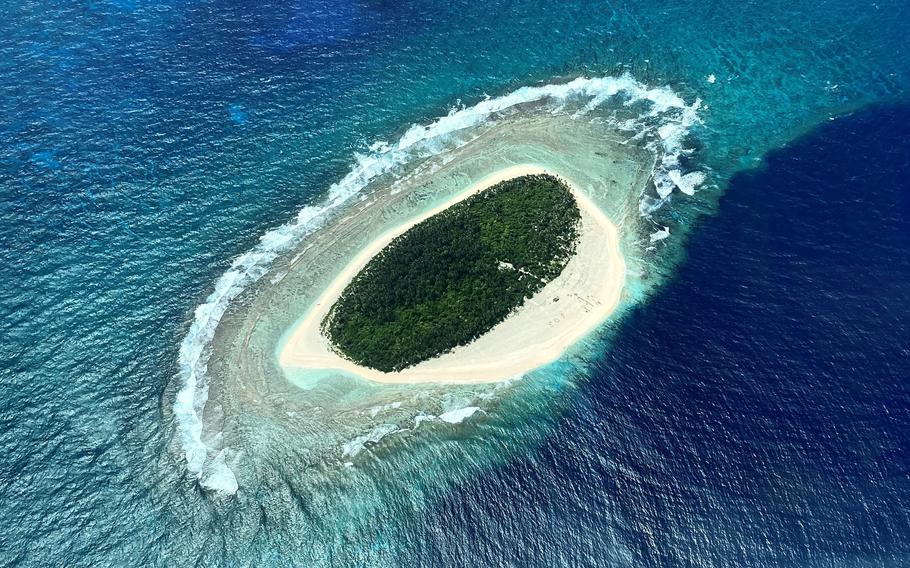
(539, 332)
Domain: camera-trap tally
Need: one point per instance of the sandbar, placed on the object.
(539, 332)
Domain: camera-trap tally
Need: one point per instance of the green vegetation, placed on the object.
(454, 276)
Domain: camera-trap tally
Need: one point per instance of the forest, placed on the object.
(452, 277)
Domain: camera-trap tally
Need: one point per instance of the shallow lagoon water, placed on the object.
(151, 144)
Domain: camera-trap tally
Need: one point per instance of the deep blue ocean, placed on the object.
(754, 411)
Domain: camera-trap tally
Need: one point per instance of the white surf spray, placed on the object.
(360, 443)
(660, 234)
(666, 114)
(459, 415)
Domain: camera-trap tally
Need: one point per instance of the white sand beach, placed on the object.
(539, 332)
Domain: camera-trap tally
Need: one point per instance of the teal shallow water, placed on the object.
(148, 145)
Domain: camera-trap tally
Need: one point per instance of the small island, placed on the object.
(452, 277)
(500, 279)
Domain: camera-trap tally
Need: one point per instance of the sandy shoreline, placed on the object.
(539, 332)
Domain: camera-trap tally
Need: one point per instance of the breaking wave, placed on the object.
(663, 126)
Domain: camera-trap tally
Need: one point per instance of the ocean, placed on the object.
(750, 407)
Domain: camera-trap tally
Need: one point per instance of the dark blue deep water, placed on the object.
(755, 411)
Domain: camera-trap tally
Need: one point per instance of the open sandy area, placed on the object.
(539, 332)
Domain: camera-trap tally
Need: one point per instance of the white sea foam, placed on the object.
(421, 418)
(359, 443)
(688, 182)
(459, 415)
(218, 476)
(660, 234)
(666, 114)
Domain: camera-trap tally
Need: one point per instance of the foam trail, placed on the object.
(666, 114)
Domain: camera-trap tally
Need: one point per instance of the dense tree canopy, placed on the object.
(454, 276)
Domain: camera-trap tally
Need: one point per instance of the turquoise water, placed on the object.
(147, 145)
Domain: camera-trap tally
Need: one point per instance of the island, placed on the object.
(450, 278)
(499, 280)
